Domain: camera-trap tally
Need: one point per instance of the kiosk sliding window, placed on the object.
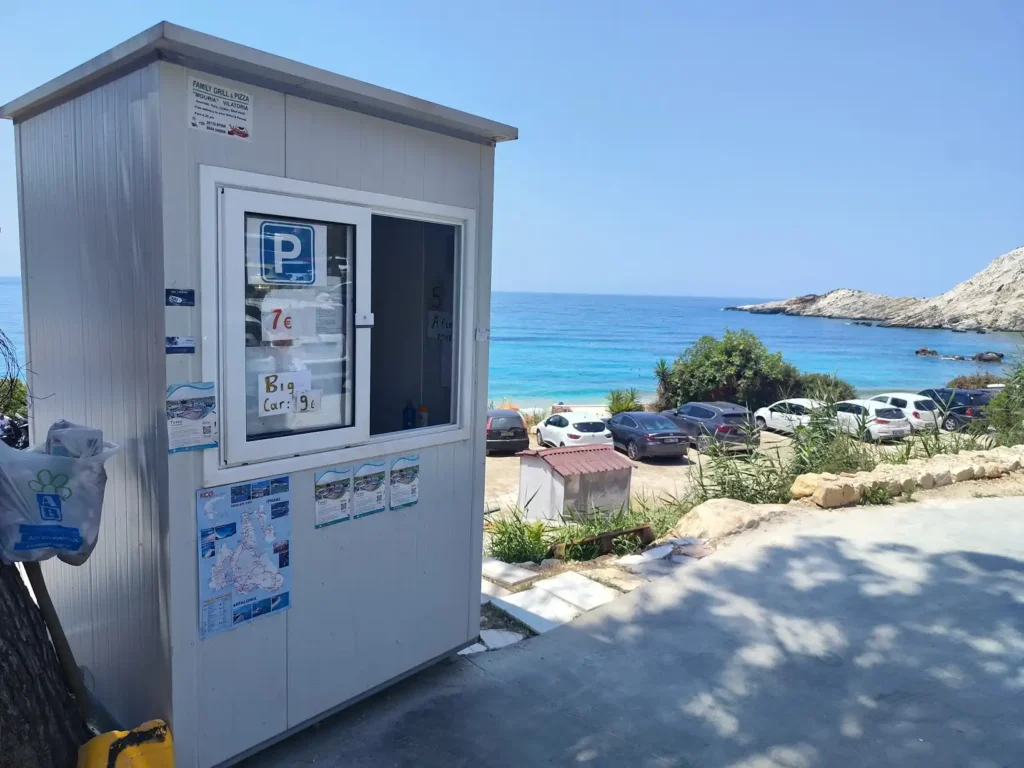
(295, 368)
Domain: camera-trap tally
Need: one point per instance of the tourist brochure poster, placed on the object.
(244, 562)
(369, 494)
(404, 481)
(333, 492)
(191, 416)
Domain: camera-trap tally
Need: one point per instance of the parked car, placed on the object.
(786, 415)
(959, 407)
(506, 431)
(571, 428)
(871, 420)
(726, 424)
(641, 434)
(922, 412)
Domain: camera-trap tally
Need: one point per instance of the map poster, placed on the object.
(404, 482)
(369, 494)
(333, 491)
(244, 562)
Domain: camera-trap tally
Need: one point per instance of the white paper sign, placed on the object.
(333, 492)
(439, 325)
(287, 318)
(277, 391)
(219, 109)
(308, 402)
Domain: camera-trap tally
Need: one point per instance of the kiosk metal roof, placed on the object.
(206, 53)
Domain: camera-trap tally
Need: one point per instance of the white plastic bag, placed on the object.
(50, 505)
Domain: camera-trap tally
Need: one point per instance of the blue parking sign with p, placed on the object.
(287, 253)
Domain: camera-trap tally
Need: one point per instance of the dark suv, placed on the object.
(726, 424)
(959, 407)
(506, 431)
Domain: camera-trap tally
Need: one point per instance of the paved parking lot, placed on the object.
(654, 478)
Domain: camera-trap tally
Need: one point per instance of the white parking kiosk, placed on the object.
(271, 285)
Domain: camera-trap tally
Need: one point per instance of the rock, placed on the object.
(908, 484)
(829, 476)
(988, 357)
(862, 322)
(925, 352)
(847, 474)
(925, 481)
(805, 485)
(850, 493)
(942, 478)
(696, 551)
(551, 562)
(721, 517)
(961, 472)
(990, 300)
(994, 470)
(828, 496)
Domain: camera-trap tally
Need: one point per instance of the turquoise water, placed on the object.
(575, 348)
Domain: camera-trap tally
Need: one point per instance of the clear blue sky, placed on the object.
(697, 148)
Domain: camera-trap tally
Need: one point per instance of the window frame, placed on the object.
(350, 447)
(236, 448)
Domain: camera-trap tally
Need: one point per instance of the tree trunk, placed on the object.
(40, 726)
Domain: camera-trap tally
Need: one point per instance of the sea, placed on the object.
(573, 348)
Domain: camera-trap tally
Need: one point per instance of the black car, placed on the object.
(641, 434)
(726, 424)
(506, 431)
(959, 407)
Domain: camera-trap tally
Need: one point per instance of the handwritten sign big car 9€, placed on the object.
(277, 391)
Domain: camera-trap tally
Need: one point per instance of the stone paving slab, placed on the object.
(618, 578)
(506, 573)
(539, 610)
(576, 589)
(499, 638)
(489, 589)
(474, 648)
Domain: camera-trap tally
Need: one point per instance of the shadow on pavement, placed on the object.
(820, 652)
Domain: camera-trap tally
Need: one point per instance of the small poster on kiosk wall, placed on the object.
(191, 416)
(370, 493)
(244, 554)
(404, 482)
(333, 491)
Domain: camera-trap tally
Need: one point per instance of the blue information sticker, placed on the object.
(287, 253)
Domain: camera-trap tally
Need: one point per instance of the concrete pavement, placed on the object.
(870, 636)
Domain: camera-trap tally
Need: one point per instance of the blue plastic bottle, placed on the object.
(408, 415)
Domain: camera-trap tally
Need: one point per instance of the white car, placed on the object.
(571, 428)
(872, 420)
(922, 412)
(786, 415)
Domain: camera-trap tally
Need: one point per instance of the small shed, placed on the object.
(572, 481)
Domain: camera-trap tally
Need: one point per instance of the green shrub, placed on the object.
(13, 397)
(514, 539)
(976, 380)
(877, 495)
(622, 400)
(737, 368)
(1005, 414)
(824, 386)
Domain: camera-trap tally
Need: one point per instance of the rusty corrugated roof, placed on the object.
(581, 460)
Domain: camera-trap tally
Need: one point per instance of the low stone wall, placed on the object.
(828, 490)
